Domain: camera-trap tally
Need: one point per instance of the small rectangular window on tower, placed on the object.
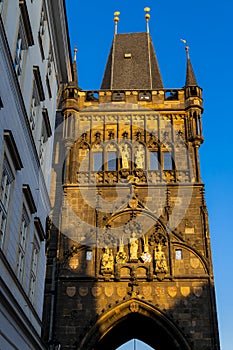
(128, 55)
(88, 255)
(179, 254)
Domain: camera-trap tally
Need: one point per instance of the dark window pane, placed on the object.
(112, 161)
(154, 161)
(167, 161)
(98, 161)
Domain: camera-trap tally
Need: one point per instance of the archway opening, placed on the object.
(135, 344)
(153, 332)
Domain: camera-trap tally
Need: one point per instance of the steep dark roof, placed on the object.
(132, 64)
(190, 76)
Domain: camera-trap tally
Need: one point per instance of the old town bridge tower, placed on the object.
(129, 247)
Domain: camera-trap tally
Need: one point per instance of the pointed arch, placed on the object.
(130, 319)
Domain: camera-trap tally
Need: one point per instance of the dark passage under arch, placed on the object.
(132, 320)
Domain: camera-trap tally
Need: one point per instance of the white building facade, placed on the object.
(35, 60)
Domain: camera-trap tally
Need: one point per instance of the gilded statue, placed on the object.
(125, 156)
(146, 256)
(107, 261)
(139, 156)
(160, 260)
(133, 249)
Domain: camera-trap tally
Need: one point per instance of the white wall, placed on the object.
(16, 97)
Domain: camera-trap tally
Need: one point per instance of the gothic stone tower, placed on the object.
(129, 248)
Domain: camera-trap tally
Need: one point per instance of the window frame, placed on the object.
(168, 163)
(22, 243)
(35, 261)
(24, 39)
(10, 164)
(155, 159)
(95, 161)
(115, 159)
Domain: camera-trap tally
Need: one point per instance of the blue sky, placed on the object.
(208, 27)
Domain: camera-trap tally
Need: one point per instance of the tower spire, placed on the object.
(190, 75)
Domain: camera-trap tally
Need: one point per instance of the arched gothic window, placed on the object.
(154, 160)
(111, 157)
(167, 160)
(97, 158)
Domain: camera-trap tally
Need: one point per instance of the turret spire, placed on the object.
(190, 76)
(75, 72)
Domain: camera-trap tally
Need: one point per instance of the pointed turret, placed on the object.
(75, 72)
(190, 76)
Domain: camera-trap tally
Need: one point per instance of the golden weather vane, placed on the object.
(186, 46)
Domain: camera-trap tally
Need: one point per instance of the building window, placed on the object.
(88, 255)
(37, 97)
(5, 191)
(49, 73)
(98, 161)
(46, 132)
(2, 2)
(11, 162)
(24, 227)
(21, 46)
(34, 268)
(35, 107)
(42, 30)
(2, 225)
(167, 161)
(154, 161)
(179, 254)
(24, 39)
(112, 161)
